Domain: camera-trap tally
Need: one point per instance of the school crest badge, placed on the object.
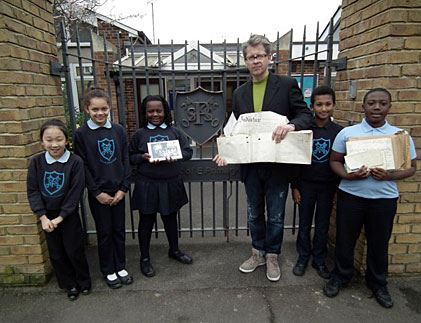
(53, 182)
(321, 148)
(106, 148)
(158, 138)
(200, 114)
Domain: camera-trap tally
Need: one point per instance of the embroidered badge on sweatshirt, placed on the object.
(158, 138)
(321, 148)
(53, 183)
(106, 149)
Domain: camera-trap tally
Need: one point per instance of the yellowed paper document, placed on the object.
(257, 148)
(252, 123)
(367, 150)
(249, 140)
(356, 160)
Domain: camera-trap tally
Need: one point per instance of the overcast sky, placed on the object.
(222, 19)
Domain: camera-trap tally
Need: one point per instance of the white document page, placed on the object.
(355, 161)
(161, 150)
(257, 122)
(244, 149)
(229, 127)
(367, 148)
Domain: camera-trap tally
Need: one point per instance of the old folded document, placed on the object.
(257, 148)
(249, 140)
(387, 152)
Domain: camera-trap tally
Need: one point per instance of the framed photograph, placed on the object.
(161, 150)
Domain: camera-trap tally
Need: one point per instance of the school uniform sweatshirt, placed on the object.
(55, 187)
(162, 170)
(105, 155)
(319, 171)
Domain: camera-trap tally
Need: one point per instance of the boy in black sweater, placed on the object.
(316, 186)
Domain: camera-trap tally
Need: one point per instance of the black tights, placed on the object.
(146, 224)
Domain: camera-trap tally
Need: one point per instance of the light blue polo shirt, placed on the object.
(368, 187)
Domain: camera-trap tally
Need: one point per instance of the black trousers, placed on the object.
(376, 215)
(317, 196)
(67, 253)
(146, 223)
(111, 234)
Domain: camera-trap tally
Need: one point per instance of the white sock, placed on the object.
(112, 276)
(123, 273)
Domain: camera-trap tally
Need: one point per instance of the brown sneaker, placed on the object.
(273, 273)
(253, 262)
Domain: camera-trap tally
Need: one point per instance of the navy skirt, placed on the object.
(164, 197)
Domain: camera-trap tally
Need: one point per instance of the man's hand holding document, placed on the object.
(386, 152)
(250, 140)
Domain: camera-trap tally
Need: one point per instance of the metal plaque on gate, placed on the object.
(205, 170)
(200, 114)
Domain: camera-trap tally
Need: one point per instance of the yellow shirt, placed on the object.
(259, 89)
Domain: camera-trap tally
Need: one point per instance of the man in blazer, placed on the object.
(267, 182)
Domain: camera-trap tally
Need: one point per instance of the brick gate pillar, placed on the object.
(381, 41)
(29, 95)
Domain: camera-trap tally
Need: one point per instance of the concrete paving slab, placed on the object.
(212, 289)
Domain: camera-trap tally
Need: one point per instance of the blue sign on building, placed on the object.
(307, 87)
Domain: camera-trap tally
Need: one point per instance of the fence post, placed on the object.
(70, 102)
(303, 53)
(120, 93)
(291, 40)
(225, 210)
(71, 108)
(328, 67)
(316, 59)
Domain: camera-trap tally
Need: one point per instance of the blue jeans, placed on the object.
(262, 187)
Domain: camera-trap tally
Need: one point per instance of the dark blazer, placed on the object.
(282, 96)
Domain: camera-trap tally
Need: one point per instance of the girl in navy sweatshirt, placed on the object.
(103, 147)
(55, 184)
(159, 186)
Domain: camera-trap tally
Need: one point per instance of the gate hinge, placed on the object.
(56, 68)
(339, 64)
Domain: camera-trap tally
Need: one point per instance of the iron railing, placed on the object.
(138, 69)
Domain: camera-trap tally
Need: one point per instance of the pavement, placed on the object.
(212, 289)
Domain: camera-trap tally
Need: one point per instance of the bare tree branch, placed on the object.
(75, 10)
(83, 11)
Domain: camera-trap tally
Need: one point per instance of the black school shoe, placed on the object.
(72, 294)
(332, 287)
(125, 280)
(113, 284)
(86, 290)
(383, 297)
(146, 267)
(299, 269)
(180, 257)
(322, 270)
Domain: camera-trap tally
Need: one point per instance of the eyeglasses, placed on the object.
(258, 57)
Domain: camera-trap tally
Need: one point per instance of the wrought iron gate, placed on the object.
(134, 68)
